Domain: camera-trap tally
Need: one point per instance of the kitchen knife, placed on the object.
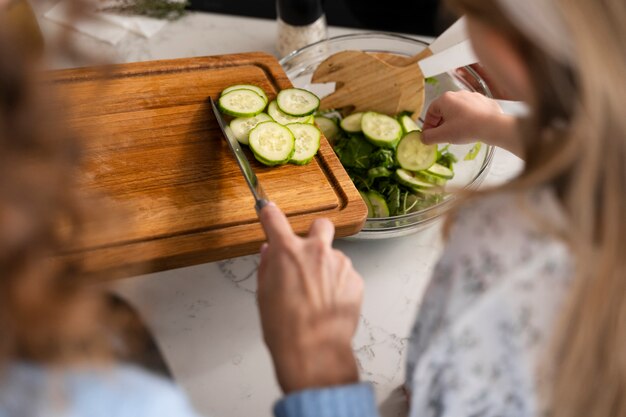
(260, 198)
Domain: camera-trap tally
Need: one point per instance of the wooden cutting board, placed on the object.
(154, 155)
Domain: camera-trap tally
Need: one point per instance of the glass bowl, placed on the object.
(469, 174)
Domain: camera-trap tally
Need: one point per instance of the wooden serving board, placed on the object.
(154, 152)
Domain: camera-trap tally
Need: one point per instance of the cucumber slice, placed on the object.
(352, 123)
(379, 205)
(241, 103)
(441, 171)
(380, 129)
(413, 155)
(242, 126)
(307, 142)
(433, 179)
(272, 143)
(297, 102)
(408, 124)
(252, 87)
(366, 200)
(408, 179)
(328, 127)
(285, 119)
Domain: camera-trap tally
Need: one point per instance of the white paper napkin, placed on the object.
(107, 27)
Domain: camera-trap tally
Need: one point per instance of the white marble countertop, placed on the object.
(205, 318)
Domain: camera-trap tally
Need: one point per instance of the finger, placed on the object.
(433, 117)
(263, 249)
(324, 230)
(434, 135)
(349, 283)
(447, 132)
(275, 224)
(260, 274)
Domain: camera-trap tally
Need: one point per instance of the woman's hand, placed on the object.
(464, 117)
(309, 299)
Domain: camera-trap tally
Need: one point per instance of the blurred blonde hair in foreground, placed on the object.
(46, 313)
(576, 141)
(18, 15)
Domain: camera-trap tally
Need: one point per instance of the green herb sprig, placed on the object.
(158, 9)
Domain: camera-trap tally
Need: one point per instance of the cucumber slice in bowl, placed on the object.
(432, 179)
(241, 103)
(409, 179)
(352, 123)
(252, 87)
(381, 130)
(366, 200)
(272, 143)
(297, 102)
(242, 126)
(379, 205)
(408, 124)
(441, 171)
(283, 118)
(307, 139)
(413, 155)
(328, 127)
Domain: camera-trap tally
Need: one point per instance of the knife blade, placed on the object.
(260, 198)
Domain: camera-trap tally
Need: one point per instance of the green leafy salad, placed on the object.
(393, 170)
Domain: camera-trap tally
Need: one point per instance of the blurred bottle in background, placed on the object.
(300, 23)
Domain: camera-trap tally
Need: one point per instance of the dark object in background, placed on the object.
(299, 12)
(406, 16)
(421, 17)
(300, 23)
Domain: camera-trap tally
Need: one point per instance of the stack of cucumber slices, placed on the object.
(393, 170)
(279, 132)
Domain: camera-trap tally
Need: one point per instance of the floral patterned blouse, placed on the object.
(488, 313)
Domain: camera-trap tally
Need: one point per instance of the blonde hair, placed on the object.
(47, 313)
(576, 142)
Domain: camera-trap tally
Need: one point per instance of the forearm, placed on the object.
(504, 133)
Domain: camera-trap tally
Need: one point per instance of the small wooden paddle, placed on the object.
(364, 82)
(383, 82)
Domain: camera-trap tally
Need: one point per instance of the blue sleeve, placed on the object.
(117, 391)
(341, 401)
